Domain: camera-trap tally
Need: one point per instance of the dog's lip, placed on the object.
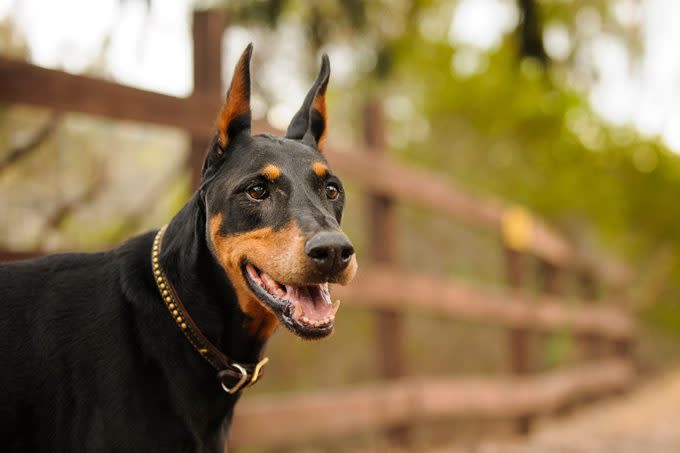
(307, 310)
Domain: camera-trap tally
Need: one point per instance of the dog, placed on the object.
(148, 347)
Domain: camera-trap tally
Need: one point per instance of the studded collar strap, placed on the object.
(231, 375)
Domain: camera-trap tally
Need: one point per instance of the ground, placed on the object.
(646, 420)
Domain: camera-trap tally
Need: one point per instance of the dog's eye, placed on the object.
(257, 192)
(332, 191)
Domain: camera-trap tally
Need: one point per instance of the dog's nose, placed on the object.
(331, 252)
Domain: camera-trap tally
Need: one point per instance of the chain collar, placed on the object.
(231, 375)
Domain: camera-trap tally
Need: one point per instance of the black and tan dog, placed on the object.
(146, 348)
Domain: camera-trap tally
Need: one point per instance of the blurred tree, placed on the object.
(530, 30)
(21, 151)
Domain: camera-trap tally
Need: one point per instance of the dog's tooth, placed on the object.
(269, 282)
(334, 308)
(252, 271)
(298, 313)
(326, 296)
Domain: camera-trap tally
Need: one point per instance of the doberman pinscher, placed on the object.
(147, 347)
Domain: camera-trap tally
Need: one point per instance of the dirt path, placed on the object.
(645, 421)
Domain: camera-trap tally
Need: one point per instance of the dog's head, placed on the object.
(273, 213)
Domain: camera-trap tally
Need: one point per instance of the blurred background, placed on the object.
(512, 171)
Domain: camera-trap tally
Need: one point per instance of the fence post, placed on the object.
(551, 285)
(520, 347)
(516, 228)
(623, 348)
(382, 249)
(551, 278)
(208, 27)
(590, 344)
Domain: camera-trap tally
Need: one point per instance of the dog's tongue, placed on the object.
(312, 301)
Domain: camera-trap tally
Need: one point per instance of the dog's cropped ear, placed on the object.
(310, 122)
(235, 117)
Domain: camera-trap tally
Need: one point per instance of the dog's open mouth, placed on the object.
(306, 310)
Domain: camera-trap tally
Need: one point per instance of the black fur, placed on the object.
(91, 359)
(308, 124)
(93, 362)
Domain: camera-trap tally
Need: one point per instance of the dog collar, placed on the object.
(231, 375)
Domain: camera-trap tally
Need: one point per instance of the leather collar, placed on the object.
(231, 375)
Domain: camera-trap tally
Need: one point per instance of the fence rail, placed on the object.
(24, 83)
(389, 288)
(295, 418)
(380, 285)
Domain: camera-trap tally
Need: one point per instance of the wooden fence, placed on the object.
(605, 330)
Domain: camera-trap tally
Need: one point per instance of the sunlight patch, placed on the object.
(483, 23)
(468, 62)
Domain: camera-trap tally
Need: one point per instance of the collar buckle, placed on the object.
(243, 381)
(236, 387)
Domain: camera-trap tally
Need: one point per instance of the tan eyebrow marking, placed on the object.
(271, 172)
(320, 169)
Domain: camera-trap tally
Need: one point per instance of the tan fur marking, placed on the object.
(319, 169)
(237, 103)
(320, 105)
(271, 172)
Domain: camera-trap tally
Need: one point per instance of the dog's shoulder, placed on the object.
(30, 283)
(72, 289)
(65, 273)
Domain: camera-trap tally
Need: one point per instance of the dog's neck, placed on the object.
(211, 300)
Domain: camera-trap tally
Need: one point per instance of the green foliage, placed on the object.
(514, 131)
(665, 315)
